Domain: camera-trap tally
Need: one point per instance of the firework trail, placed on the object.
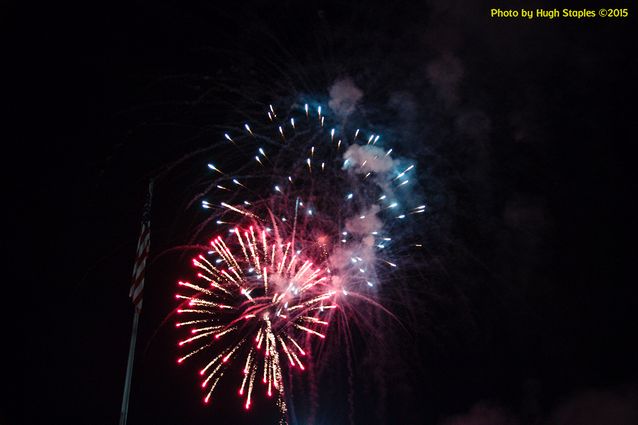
(310, 226)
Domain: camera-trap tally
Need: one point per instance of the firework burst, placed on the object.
(310, 227)
(264, 296)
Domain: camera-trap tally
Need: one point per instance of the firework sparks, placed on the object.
(267, 292)
(258, 291)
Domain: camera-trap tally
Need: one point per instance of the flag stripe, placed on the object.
(143, 241)
(137, 293)
(139, 266)
(136, 284)
(142, 252)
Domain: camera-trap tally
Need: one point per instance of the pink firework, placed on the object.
(255, 301)
(316, 218)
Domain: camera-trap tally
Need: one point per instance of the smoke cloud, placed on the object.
(445, 75)
(595, 407)
(366, 223)
(590, 407)
(363, 159)
(344, 96)
(482, 414)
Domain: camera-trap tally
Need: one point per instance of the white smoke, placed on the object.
(592, 407)
(445, 75)
(344, 96)
(363, 159)
(361, 247)
(358, 256)
(366, 223)
(355, 258)
(595, 407)
(482, 414)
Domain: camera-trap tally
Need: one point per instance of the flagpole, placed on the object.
(129, 368)
(138, 308)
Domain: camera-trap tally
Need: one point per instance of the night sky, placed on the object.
(524, 307)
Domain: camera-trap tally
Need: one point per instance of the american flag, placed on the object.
(143, 246)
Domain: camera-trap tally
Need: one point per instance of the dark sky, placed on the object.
(524, 310)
